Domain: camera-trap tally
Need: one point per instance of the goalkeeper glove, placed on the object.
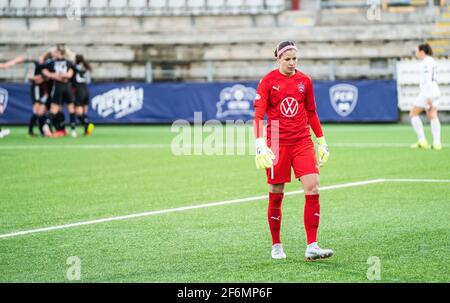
(323, 151)
(264, 155)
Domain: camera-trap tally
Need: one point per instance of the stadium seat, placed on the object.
(276, 6)
(255, 6)
(19, 7)
(57, 7)
(58, 3)
(235, 6)
(98, 7)
(19, 3)
(157, 7)
(4, 7)
(38, 4)
(176, 7)
(196, 6)
(344, 3)
(137, 7)
(118, 7)
(215, 6)
(138, 3)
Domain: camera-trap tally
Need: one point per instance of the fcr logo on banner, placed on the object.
(236, 100)
(119, 101)
(3, 98)
(343, 98)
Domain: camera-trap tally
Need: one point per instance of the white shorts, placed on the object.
(421, 102)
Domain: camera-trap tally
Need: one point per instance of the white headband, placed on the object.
(288, 47)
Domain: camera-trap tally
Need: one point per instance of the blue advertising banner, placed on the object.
(357, 101)
(349, 101)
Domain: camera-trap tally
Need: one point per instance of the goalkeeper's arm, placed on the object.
(314, 122)
(264, 155)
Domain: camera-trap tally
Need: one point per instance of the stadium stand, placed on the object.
(198, 40)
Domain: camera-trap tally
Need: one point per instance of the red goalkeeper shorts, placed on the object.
(301, 157)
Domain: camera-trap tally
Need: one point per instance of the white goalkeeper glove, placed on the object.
(264, 155)
(322, 151)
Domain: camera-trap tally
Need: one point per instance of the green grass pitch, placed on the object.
(126, 170)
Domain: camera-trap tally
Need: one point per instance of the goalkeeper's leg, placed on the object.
(311, 218)
(277, 176)
(274, 216)
(312, 206)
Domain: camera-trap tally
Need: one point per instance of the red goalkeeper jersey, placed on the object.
(288, 101)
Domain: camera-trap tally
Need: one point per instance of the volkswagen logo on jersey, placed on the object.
(236, 101)
(289, 107)
(119, 102)
(343, 98)
(3, 98)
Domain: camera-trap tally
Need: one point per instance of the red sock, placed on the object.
(311, 217)
(274, 216)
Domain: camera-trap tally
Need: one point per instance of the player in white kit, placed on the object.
(427, 100)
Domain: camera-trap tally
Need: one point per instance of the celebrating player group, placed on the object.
(286, 95)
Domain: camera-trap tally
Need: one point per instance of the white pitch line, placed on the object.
(419, 180)
(374, 145)
(85, 146)
(178, 209)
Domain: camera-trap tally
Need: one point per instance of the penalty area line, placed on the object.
(198, 206)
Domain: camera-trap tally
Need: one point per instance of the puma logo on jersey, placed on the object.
(317, 214)
(275, 218)
(277, 88)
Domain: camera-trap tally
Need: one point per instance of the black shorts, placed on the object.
(39, 93)
(81, 95)
(62, 93)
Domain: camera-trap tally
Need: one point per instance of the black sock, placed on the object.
(59, 123)
(41, 122)
(72, 121)
(85, 121)
(50, 120)
(81, 120)
(32, 123)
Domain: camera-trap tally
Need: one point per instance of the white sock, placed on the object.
(436, 130)
(312, 245)
(418, 127)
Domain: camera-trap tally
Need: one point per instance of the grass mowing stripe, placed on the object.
(157, 212)
(178, 209)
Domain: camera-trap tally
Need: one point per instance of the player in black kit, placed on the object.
(60, 71)
(79, 82)
(40, 89)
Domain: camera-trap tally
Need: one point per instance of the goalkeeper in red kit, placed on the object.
(286, 95)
